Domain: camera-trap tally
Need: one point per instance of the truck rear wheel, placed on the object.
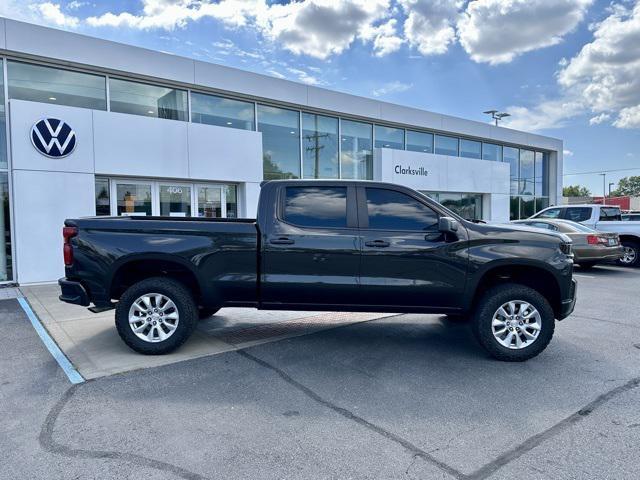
(513, 323)
(156, 316)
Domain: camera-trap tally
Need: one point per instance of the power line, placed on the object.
(602, 171)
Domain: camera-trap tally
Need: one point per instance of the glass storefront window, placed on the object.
(527, 206)
(511, 156)
(37, 83)
(210, 202)
(388, 137)
(357, 155)
(175, 200)
(541, 203)
(3, 119)
(148, 100)
(491, 151)
(514, 208)
(232, 201)
(467, 205)
(541, 176)
(280, 142)
(446, 145)
(224, 112)
(133, 199)
(6, 271)
(527, 175)
(103, 198)
(470, 149)
(320, 146)
(419, 142)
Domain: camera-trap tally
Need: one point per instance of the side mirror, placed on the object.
(447, 225)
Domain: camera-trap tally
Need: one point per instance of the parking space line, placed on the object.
(68, 368)
(582, 275)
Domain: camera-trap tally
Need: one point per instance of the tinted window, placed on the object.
(491, 151)
(148, 100)
(356, 155)
(103, 202)
(419, 142)
(280, 142)
(388, 137)
(551, 213)
(53, 85)
(316, 206)
(446, 145)
(224, 112)
(320, 146)
(578, 214)
(610, 213)
(470, 149)
(391, 210)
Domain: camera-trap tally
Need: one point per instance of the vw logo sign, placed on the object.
(53, 138)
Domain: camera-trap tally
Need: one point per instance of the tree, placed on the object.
(628, 186)
(576, 191)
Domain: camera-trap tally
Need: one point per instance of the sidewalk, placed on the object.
(91, 342)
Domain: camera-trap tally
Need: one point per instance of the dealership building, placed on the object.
(92, 127)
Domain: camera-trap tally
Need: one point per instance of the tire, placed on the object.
(204, 312)
(158, 289)
(631, 256)
(587, 265)
(488, 306)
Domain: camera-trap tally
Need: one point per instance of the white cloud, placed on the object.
(318, 28)
(605, 71)
(303, 76)
(496, 31)
(601, 80)
(52, 14)
(598, 119)
(392, 87)
(547, 114)
(628, 118)
(429, 24)
(567, 153)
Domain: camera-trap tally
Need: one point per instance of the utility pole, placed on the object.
(610, 183)
(604, 188)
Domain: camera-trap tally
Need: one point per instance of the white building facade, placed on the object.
(91, 127)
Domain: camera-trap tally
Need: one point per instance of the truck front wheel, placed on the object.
(156, 316)
(513, 323)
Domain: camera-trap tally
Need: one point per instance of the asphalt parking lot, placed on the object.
(407, 396)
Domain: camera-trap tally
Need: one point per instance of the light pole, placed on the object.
(611, 183)
(604, 188)
(496, 115)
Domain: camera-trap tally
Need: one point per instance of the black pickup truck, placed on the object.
(322, 245)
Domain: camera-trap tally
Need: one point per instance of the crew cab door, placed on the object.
(406, 260)
(311, 250)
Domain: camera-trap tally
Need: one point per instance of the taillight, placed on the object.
(592, 239)
(67, 249)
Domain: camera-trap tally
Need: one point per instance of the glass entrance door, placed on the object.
(133, 198)
(175, 200)
(212, 201)
(165, 198)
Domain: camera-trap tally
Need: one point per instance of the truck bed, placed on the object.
(219, 255)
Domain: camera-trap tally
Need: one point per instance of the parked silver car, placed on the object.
(590, 246)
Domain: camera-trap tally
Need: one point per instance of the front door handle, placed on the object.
(281, 241)
(377, 244)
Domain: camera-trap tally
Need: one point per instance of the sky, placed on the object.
(569, 69)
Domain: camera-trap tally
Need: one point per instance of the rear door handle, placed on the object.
(281, 241)
(377, 244)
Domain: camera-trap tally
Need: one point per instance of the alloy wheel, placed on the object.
(516, 324)
(153, 317)
(629, 255)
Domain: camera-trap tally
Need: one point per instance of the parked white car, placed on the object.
(606, 218)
